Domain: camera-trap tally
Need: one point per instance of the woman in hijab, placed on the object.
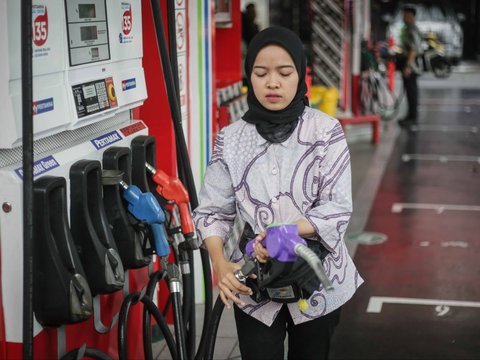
(284, 162)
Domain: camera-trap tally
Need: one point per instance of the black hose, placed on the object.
(133, 299)
(207, 279)
(173, 100)
(167, 306)
(184, 170)
(173, 276)
(130, 300)
(153, 309)
(87, 352)
(172, 43)
(147, 329)
(186, 256)
(207, 342)
(216, 316)
(27, 158)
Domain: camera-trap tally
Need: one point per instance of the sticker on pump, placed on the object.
(42, 106)
(126, 35)
(106, 139)
(132, 129)
(40, 24)
(40, 166)
(129, 84)
(40, 31)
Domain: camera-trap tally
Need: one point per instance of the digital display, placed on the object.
(89, 91)
(95, 53)
(88, 33)
(86, 11)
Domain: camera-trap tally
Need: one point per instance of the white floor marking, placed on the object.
(444, 128)
(442, 310)
(441, 158)
(461, 244)
(439, 208)
(375, 303)
(442, 101)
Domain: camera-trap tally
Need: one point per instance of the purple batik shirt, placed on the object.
(307, 176)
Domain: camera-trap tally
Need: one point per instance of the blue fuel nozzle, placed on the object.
(144, 207)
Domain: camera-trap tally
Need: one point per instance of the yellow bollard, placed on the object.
(316, 95)
(330, 101)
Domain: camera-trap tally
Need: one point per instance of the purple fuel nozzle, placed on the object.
(280, 242)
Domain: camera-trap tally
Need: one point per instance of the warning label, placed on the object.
(131, 129)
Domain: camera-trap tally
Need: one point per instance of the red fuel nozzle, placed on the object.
(172, 189)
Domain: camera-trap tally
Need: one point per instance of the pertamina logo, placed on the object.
(129, 84)
(42, 106)
(40, 25)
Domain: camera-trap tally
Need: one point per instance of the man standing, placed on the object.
(410, 42)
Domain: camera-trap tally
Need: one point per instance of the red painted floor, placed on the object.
(428, 255)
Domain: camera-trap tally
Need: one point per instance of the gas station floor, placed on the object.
(418, 189)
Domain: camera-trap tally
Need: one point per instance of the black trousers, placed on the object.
(411, 90)
(410, 87)
(309, 340)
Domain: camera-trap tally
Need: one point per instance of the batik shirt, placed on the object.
(307, 176)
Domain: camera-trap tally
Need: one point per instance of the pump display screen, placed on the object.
(86, 11)
(87, 30)
(88, 33)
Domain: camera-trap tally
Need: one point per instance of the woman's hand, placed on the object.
(261, 252)
(228, 284)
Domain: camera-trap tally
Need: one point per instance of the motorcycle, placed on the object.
(433, 57)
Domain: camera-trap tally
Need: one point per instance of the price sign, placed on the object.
(40, 25)
(127, 21)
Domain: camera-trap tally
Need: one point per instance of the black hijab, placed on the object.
(276, 126)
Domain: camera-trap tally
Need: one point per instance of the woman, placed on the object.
(284, 162)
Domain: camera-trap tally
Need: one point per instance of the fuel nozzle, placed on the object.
(172, 189)
(283, 243)
(144, 207)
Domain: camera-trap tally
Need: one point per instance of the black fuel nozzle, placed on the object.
(246, 270)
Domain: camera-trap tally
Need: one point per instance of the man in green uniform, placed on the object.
(410, 42)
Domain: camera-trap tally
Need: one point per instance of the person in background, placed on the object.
(249, 26)
(410, 43)
(282, 163)
(249, 30)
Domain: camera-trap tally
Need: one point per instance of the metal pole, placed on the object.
(27, 158)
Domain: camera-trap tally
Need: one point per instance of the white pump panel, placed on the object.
(87, 64)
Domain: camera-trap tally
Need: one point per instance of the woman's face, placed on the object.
(274, 78)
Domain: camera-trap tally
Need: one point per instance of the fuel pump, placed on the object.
(85, 77)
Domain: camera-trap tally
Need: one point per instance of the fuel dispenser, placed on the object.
(87, 76)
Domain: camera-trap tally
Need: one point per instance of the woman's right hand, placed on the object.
(228, 284)
(261, 252)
